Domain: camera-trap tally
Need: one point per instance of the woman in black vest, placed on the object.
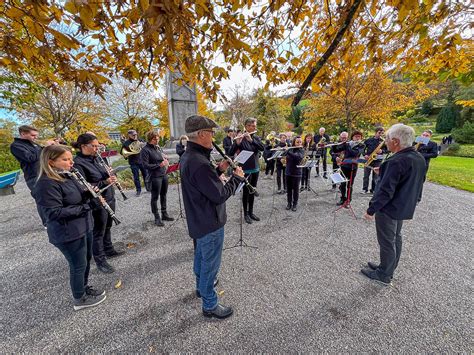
(96, 174)
(156, 163)
(65, 203)
(293, 173)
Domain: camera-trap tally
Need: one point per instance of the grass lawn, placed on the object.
(456, 172)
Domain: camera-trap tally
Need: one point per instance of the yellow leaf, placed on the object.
(118, 284)
(220, 293)
(70, 6)
(131, 245)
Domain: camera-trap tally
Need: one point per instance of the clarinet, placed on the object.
(252, 189)
(106, 167)
(77, 175)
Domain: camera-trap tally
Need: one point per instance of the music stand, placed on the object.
(241, 242)
(309, 164)
(181, 215)
(347, 202)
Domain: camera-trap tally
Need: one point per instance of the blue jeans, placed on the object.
(78, 254)
(207, 260)
(136, 168)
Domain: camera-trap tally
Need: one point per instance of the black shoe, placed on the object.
(90, 291)
(254, 217)
(317, 175)
(88, 301)
(372, 265)
(114, 254)
(340, 202)
(248, 219)
(219, 312)
(288, 207)
(158, 221)
(325, 176)
(293, 208)
(372, 274)
(281, 192)
(138, 193)
(105, 267)
(302, 188)
(166, 217)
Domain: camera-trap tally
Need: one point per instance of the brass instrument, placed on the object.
(273, 139)
(321, 142)
(134, 148)
(374, 154)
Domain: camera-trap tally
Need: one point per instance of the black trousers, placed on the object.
(78, 254)
(367, 172)
(293, 192)
(248, 198)
(305, 178)
(324, 158)
(390, 243)
(102, 240)
(136, 169)
(280, 176)
(269, 166)
(346, 186)
(159, 187)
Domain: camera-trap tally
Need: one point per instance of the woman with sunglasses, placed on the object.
(97, 175)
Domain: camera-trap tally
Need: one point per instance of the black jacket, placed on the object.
(317, 138)
(428, 151)
(399, 185)
(66, 207)
(254, 146)
(371, 144)
(180, 149)
(227, 143)
(293, 159)
(132, 159)
(350, 153)
(151, 158)
(204, 195)
(28, 154)
(94, 173)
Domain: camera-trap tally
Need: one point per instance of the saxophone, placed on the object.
(373, 156)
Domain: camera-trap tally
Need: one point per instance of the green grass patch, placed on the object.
(457, 172)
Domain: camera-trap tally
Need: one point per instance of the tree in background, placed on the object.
(270, 111)
(7, 161)
(237, 105)
(447, 118)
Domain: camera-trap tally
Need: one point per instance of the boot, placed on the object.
(294, 207)
(158, 221)
(288, 206)
(165, 216)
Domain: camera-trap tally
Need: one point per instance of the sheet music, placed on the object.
(243, 156)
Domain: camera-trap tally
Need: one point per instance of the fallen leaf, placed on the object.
(118, 284)
(220, 293)
(131, 245)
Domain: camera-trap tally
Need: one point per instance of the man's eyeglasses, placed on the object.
(209, 130)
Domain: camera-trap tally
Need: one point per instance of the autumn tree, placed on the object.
(237, 105)
(287, 41)
(270, 111)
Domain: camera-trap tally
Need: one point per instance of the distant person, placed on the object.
(181, 146)
(450, 139)
(228, 140)
(69, 221)
(428, 151)
(321, 139)
(135, 163)
(394, 200)
(370, 145)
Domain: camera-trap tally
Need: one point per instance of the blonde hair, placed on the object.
(51, 152)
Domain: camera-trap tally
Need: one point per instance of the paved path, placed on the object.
(300, 291)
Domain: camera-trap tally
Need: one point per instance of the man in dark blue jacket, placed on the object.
(204, 197)
(394, 200)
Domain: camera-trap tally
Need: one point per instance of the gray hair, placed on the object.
(405, 134)
(250, 120)
(193, 135)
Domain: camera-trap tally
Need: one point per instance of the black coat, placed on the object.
(371, 144)
(132, 159)
(254, 146)
(227, 143)
(151, 158)
(94, 173)
(180, 149)
(399, 185)
(317, 138)
(66, 207)
(350, 153)
(28, 154)
(204, 195)
(428, 151)
(293, 158)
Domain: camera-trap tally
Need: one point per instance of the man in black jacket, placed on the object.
(227, 142)
(204, 197)
(321, 139)
(27, 152)
(370, 145)
(135, 163)
(394, 200)
(428, 151)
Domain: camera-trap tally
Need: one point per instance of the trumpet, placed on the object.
(108, 169)
(251, 188)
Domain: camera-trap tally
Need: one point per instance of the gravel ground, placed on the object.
(300, 291)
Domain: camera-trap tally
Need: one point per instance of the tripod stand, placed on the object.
(241, 243)
(347, 202)
(181, 215)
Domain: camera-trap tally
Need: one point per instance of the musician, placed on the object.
(351, 152)
(309, 148)
(135, 163)
(204, 197)
(155, 163)
(280, 166)
(293, 173)
(370, 145)
(321, 139)
(227, 142)
(27, 152)
(267, 153)
(343, 137)
(181, 146)
(251, 142)
(428, 151)
(87, 164)
(394, 200)
(69, 221)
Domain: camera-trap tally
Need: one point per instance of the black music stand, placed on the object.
(241, 243)
(309, 164)
(347, 202)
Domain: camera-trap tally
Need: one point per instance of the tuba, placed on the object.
(134, 148)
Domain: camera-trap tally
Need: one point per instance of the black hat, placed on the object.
(196, 123)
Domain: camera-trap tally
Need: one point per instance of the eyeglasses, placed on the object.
(93, 146)
(209, 130)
